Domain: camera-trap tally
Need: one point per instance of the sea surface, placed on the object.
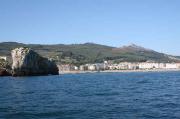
(137, 95)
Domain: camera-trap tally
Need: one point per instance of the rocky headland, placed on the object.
(27, 62)
(5, 72)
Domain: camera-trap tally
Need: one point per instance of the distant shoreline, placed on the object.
(117, 71)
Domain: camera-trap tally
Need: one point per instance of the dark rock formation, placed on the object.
(26, 62)
(4, 72)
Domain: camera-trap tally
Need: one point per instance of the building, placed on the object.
(133, 66)
(76, 68)
(162, 66)
(178, 65)
(171, 66)
(67, 67)
(92, 67)
(146, 65)
(83, 68)
(100, 66)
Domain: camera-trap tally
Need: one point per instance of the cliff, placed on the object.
(4, 72)
(26, 62)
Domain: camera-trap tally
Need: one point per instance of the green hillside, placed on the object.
(90, 53)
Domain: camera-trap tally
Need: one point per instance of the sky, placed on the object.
(154, 24)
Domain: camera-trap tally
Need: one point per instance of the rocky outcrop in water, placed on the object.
(27, 62)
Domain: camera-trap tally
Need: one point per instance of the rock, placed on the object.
(4, 72)
(27, 62)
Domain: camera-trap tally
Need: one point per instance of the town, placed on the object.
(108, 65)
(111, 66)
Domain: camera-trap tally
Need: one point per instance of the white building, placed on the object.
(145, 65)
(67, 67)
(162, 66)
(113, 67)
(123, 66)
(171, 66)
(133, 66)
(100, 66)
(83, 68)
(178, 65)
(76, 68)
(91, 67)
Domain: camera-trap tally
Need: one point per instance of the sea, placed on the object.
(123, 95)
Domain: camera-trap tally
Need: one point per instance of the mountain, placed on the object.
(91, 53)
(132, 47)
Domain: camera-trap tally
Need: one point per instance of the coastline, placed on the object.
(117, 71)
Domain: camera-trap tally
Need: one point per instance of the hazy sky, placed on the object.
(153, 24)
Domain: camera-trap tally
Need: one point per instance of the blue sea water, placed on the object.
(140, 95)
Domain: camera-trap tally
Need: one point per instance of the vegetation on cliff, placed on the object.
(4, 64)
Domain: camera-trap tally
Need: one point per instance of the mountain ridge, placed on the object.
(91, 52)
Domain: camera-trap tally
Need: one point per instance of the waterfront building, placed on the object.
(76, 68)
(67, 67)
(100, 66)
(161, 65)
(83, 68)
(133, 66)
(171, 66)
(91, 67)
(146, 65)
(178, 65)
